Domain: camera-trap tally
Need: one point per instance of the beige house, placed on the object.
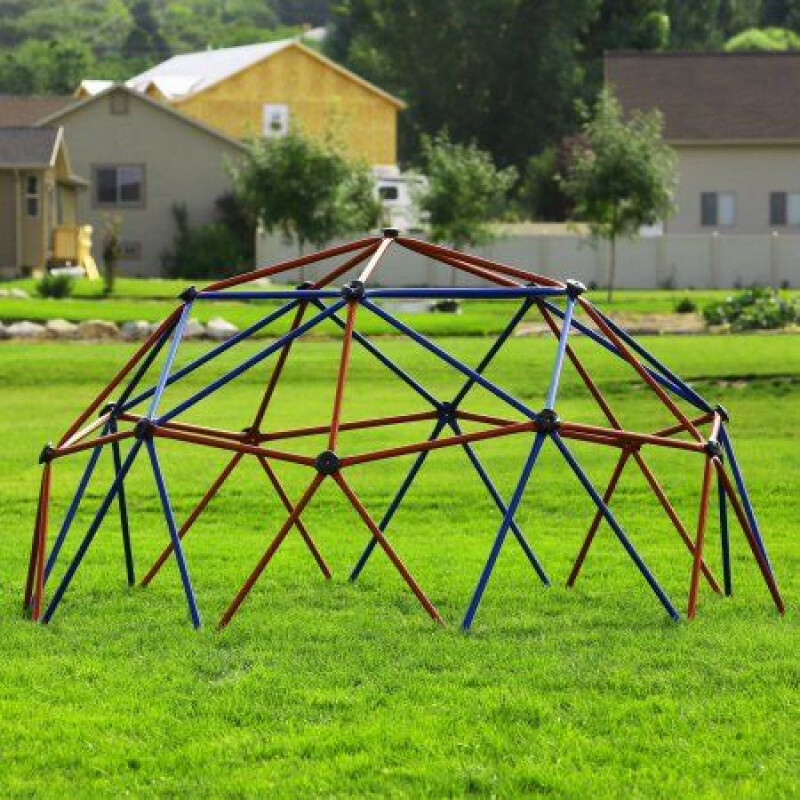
(141, 158)
(734, 121)
(39, 198)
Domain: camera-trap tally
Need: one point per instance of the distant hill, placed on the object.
(48, 46)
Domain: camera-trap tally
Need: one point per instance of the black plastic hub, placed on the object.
(187, 295)
(144, 429)
(353, 290)
(304, 285)
(390, 233)
(108, 408)
(713, 448)
(723, 413)
(547, 420)
(575, 289)
(447, 413)
(48, 451)
(327, 462)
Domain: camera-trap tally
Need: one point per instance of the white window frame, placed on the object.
(274, 113)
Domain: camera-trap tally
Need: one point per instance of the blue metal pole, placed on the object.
(73, 507)
(143, 367)
(445, 356)
(727, 443)
(558, 364)
(603, 342)
(515, 529)
(90, 534)
(394, 505)
(250, 362)
(123, 511)
(642, 351)
(420, 459)
(466, 293)
(271, 294)
(615, 526)
(501, 533)
(211, 354)
(727, 578)
(171, 353)
(173, 532)
(384, 359)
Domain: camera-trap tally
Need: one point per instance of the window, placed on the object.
(119, 185)
(275, 119)
(717, 208)
(32, 195)
(784, 208)
(388, 192)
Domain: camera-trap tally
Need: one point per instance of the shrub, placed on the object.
(685, 306)
(758, 308)
(56, 286)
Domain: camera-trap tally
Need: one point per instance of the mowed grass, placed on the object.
(340, 689)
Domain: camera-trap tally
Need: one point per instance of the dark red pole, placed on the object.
(287, 504)
(41, 545)
(387, 548)
(271, 550)
(341, 378)
(708, 471)
(32, 561)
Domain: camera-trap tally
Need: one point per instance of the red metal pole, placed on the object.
(341, 378)
(340, 270)
(190, 520)
(479, 272)
(701, 532)
(287, 504)
(387, 548)
(187, 427)
(32, 562)
(636, 438)
(755, 549)
(88, 445)
(41, 545)
(131, 363)
(587, 542)
(271, 550)
(285, 266)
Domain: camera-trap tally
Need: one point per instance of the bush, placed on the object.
(758, 308)
(56, 286)
(685, 306)
(213, 250)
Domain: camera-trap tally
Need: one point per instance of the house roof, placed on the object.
(182, 76)
(29, 147)
(712, 97)
(76, 105)
(16, 110)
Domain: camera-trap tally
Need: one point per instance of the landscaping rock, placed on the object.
(26, 330)
(98, 329)
(220, 329)
(194, 330)
(4, 334)
(20, 294)
(134, 331)
(61, 329)
(4, 292)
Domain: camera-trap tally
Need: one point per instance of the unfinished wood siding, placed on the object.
(319, 97)
(8, 220)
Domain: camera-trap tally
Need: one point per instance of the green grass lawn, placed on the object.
(339, 689)
(153, 298)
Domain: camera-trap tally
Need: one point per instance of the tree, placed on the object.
(708, 24)
(501, 73)
(465, 191)
(622, 176)
(769, 39)
(306, 188)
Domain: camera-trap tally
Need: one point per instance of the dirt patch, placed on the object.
(637, 324)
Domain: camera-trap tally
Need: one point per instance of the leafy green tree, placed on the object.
(465, 191)
(502, 73)
(306, 189)
(781, 14)
(145, 40)
(541, 191)
(708, 24)
(768, 39)
(623, 175)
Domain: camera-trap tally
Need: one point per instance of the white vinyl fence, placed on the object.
(669, 261)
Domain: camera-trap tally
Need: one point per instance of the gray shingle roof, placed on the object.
(20, 110)
(712, 96)
(27, 147)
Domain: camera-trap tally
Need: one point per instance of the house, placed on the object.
(39, 199)
(259, 89)
(142, 157)
(734, 122)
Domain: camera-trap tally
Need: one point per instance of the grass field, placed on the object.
(343, 689)
(153, 299)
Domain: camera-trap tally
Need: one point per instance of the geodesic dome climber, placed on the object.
(136, 419)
